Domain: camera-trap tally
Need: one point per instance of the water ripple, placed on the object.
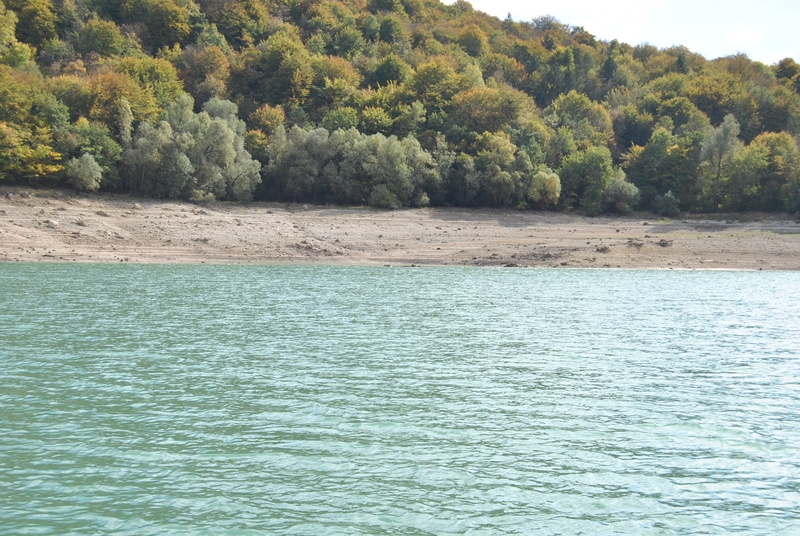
(321, 400)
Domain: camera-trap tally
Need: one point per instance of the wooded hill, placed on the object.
(385, 102)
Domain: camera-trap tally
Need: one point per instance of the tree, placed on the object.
(27, 153)
(193, 156)
(786, 69)
(742, 189)
(585, 175)
(484, 109)
(12, 52)
(434, 84)
(8, 25)
(390, 69)
(267, 118)
(494, 162)
(36, 20)
(684, 115)
(589, 122)
(666, 163)
(162, 22)
(621, 196)
(474, 41)
(279, 70)
(348, 42)
(340, 119)
(391, 30)
(103, 38)
(90, 138)
(26, 138)
(713, 95)
(84, 173)
(544, 189)
(374, 120)
(153, 74)
(205, 71)
(716, 151)
(631, 127)
(106, 89)
(783, 168)
(394, 6)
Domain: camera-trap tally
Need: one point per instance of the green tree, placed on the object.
(590, 122)
(84, 173)
(783, 168)
(742, 188)
(718, 147)
(713, 95)
(195, 156)
(12, 52)
(621, 196)
(154, 74)
(36, 20)
(585, 175)
(340, 119)
(545, 189)
(391, 30)
(93, 139)
(377, 6)
(434, 84)
(391, 69)
(279, 70)
(348, 42)
(485, 109)
(631, 127)
(374, 120)
(8, 25)
(494, 162)
(205, 71)
(103, 38)
(473, 40)
(162, 22)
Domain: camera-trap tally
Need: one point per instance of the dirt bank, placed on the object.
(56, 226)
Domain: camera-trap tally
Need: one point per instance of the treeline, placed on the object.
(384, 102)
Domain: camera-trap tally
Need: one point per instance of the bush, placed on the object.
(84, 173)
(667, 205)
(382, 197)
(621, 196)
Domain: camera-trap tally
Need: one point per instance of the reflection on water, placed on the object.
(325, 400)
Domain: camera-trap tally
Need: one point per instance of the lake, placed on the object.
(239, 400)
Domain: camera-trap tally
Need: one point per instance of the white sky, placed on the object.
(765, 30)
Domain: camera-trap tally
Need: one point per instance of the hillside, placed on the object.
(388, 103)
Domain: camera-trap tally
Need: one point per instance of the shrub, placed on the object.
(621, 196)
(667, 204)
(84, 173)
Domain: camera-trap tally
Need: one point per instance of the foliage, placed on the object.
(621, 196)
(667, 205)
(585, 175)
(84, 173)
(192, 155)
(397, 103)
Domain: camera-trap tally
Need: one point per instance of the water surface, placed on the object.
(242, 400)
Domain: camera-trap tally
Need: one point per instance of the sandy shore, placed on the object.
(55, 226)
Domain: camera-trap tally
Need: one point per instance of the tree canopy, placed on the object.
(385, 102)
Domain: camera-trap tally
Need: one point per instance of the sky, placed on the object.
(765, 30)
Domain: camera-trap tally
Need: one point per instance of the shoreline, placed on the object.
(55, 226)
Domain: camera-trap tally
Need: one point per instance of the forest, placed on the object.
(387, 103)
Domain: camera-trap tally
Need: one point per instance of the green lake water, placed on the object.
(239, 400)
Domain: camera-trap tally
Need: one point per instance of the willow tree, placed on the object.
(195, 156)
(715, 154)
